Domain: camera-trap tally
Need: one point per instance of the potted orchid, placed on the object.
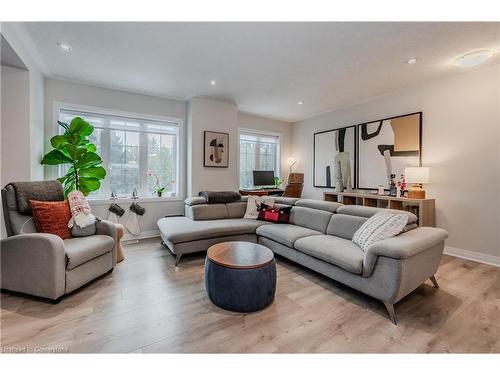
(158, 190)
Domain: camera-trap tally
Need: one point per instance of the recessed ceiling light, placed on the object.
(300, 102)
(473, 59)
(213, 82)
(65, 47)
(412, 61)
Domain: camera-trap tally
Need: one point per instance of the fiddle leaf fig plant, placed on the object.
(85, 171)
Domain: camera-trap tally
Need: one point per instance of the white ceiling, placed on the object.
(266, 68)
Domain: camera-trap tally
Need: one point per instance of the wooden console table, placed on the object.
(424, 209)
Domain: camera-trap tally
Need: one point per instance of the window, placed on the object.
(258, 152)
(130, 149)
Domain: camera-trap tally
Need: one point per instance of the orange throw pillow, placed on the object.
(52, 217)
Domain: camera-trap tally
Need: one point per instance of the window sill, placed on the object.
(107, 201)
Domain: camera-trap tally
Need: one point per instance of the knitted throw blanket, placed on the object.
(80, 210)
(38, 191)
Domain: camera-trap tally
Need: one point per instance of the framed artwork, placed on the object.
(215, 149)
(334, 161)
(386, 147)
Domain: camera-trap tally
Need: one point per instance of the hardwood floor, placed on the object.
(148, 305)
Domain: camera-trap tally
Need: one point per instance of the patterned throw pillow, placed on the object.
(274, 214)
(52, 217)
(253, 206)
(380, 226)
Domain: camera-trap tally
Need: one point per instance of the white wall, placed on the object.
(215, 115)
(211, 114)
(22, 114)
(37, 121)
(15, 35)
(16, 148)
(80, 94)
(460, 145)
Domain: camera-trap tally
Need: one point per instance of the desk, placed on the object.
(262, 192)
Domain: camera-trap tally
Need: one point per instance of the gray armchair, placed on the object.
(42, 264)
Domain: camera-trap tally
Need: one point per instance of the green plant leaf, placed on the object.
(63, 124)
(91, 147)
(58, 141)
(89, 159)
(92, 172)
(74, 148)
(74, 138)
(87, 185)
(76, 153)
(81, 127)
(71, 150)
(69, 187)
(69, 177)
(55, 157)
(82, 142)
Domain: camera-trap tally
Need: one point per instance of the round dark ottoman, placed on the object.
(240, 276)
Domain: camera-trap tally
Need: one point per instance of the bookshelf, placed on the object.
(424, 209)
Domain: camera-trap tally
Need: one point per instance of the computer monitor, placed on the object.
(263, 178)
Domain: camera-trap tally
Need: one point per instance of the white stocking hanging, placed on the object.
(113, 218)
(132, 224)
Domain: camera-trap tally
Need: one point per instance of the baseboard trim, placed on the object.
(472, 255)
(146, 234)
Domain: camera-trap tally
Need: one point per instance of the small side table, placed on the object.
(240, 276)
(120, 231)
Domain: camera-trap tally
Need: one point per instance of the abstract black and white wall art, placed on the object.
(334, 158)
(216, 149)
(386, 147)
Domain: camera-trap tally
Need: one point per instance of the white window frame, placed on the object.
(180, 162)
(277, 172)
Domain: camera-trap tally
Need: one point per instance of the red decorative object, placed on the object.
(52, 217)
(274, 214)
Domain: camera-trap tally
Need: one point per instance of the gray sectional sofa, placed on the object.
(318, 237)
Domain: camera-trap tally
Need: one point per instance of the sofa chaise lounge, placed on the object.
(318, 237)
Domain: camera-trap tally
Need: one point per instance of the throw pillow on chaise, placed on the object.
(274, 214)
(253, 205)
(380, 226)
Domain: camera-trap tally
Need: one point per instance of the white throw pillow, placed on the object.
(253, 205)
(380, 226)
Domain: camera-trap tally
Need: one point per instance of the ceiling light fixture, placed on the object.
(300, 102)
(213, 82)
(65, 47)
(412, 61)
(472, 59)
